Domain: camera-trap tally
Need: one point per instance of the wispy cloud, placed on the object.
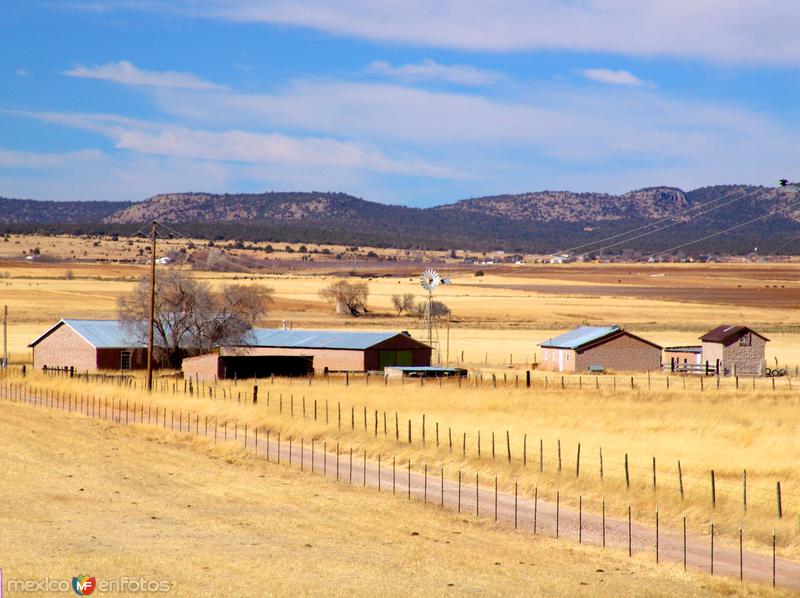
(21, 72)
(612, 77)
(430, 70)
(716, 30)
(126, 73)
(572, 128)
(154, 138)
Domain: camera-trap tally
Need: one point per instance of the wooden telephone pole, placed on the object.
(153, 236)
(5, 336)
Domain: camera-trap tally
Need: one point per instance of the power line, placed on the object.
(722, 232)
(674, 216)
(639, 236)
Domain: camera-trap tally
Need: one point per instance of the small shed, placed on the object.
(687, 358)
(599, 348)
(88, 345)
(735, 350)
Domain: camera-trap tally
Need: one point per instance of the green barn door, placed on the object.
(388, 359)
(404, 358)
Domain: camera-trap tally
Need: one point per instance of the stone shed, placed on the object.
(735, 350)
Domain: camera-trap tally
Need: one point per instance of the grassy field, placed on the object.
(114, 502)
(498, 319)
(724, 430)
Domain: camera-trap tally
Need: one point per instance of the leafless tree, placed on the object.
(189, 316)
(403, 303)
(438, 310)
(349, 297)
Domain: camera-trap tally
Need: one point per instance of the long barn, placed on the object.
(296, 352)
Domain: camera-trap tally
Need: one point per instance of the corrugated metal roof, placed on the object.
(684, 349)
(720, 334)
(101, 334)
(583, 335)
(315, 339)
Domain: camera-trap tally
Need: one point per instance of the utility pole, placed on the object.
(5, 336)
(154, 234)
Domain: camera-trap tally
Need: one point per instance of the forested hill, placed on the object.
(541, 221)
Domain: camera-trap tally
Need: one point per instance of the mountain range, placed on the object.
(543, 221)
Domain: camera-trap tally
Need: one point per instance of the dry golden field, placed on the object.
(726, 430)
(498, 319)
(136, 502)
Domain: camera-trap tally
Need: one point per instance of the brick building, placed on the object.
(296, 352)
(599, 348)
(88, 345)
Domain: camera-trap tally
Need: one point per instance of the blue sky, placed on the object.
(409, 102)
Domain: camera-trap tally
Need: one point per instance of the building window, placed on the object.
(567, 356)
(125, 360)
(546, 357)
(745, 340)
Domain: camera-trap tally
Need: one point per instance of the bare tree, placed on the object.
(189, 317)
(403, 303)
(438, 310)
(348, 297)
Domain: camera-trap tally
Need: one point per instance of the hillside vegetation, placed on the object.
(535, 222)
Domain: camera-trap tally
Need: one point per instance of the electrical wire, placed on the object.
(683, 214)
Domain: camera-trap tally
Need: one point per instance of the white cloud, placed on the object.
(129, 74)
(152, 138)
(612, 77)
(551, 132)
(717, 30)
(20, 72)
(430, 70)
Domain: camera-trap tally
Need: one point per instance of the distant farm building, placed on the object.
(728, 350)
(599, 348)
(88, 345)
(738, 350)
(299, 352)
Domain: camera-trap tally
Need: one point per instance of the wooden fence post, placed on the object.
(680, 478)
(627, 473)
(578, 462)
(559, 455)
(744, 490)
(778, 497)
(713, 491)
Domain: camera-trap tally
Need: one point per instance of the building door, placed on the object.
(388, 359)
(391, 358)
(560, 361)
(404, 358)
(125, 360)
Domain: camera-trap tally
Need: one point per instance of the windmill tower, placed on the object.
(430, 280)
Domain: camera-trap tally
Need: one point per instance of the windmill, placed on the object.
(430, 279)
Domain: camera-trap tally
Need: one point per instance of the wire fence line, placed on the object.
(720, 487)
(550, 512)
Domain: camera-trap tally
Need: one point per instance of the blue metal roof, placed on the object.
(583, 335)
(101, 334)
(315, 339)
